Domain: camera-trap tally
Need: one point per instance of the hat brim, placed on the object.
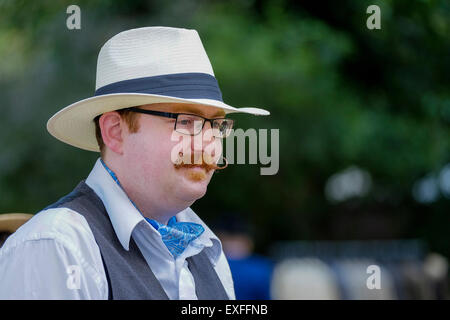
(10, 222)
(74, 124)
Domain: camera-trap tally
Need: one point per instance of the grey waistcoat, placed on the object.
(128, 274)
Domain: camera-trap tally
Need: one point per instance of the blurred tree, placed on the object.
(339, 93)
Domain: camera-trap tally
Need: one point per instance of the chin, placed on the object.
(194, 183)
(191, 193)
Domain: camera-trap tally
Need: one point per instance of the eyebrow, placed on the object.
(190, 109)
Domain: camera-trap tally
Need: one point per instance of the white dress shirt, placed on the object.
(54, 255)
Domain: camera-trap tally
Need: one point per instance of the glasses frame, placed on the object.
(175, 116)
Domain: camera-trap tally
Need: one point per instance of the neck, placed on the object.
(153, 208)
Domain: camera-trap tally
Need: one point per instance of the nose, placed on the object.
(202, 141)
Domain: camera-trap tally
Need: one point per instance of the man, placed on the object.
(127, 231)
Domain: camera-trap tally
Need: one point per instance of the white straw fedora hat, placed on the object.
(143, 66)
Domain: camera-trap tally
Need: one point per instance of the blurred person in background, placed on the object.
(251, 272)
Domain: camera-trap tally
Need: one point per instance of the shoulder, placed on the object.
(47, 245)
(62, 226)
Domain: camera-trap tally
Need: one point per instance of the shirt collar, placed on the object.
(124, 216)
(212, 244)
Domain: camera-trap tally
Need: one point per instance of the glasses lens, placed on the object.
(222, 127)
(189, 124)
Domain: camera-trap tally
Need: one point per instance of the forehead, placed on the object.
(207, 112)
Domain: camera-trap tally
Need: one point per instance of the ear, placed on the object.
(112, 131)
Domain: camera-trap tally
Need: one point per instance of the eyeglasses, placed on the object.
(191, 124)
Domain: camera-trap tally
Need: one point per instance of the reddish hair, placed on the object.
(130, 118)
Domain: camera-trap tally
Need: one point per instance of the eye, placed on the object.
(185, 122)
(221, 125)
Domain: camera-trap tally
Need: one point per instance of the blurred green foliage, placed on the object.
(340, 94)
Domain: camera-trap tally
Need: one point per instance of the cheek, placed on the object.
(149, 151)
(218, 147)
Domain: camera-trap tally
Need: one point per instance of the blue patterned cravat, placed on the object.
(176, 235)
